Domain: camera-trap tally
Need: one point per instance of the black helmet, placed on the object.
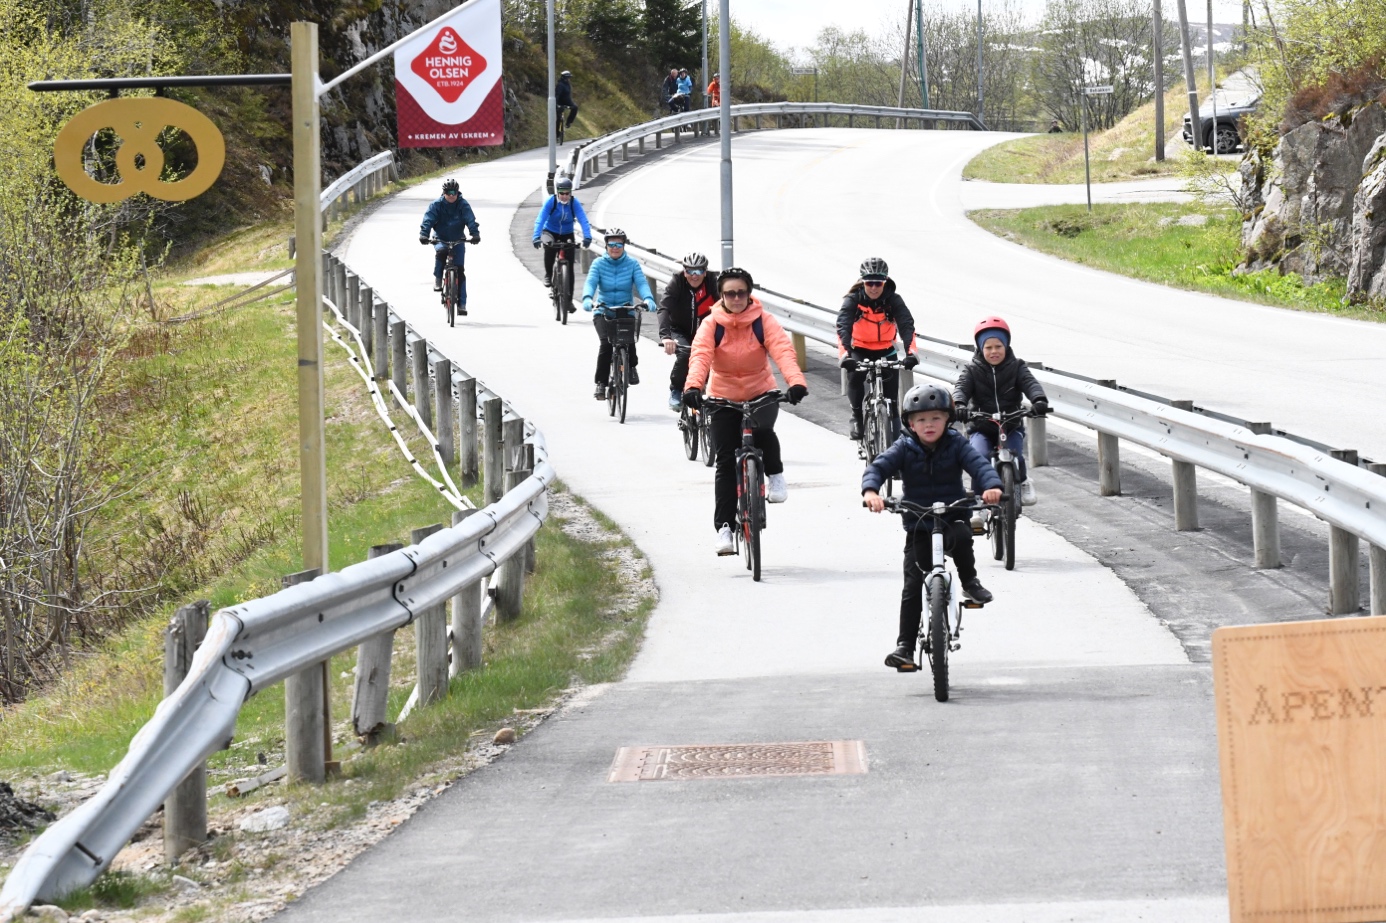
(695, 260)
(734, 272)
(563, 184)
(615, 233)
(925, 397)
(874, 268)
(450, 187)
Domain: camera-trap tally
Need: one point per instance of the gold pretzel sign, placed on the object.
(138, 122)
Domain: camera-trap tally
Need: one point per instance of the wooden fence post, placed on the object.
(185, 809)
(367, 321)
(422, 397)
(339, 284)
(306, 723)
(442, 403)
(528, 464)
(431, 640)
(466, 430)
(380, 355)
(466, 619)
(510, 576)
(352, 308)
(493, 464)
(399, 357)
(370, 693)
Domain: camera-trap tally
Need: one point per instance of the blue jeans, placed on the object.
(459, 256)
(1015, 441)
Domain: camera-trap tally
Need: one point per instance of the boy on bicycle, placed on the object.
(930, 458)
(994, 383)
(556, 219)
(687, 299)
(867, 324)
(611, 279)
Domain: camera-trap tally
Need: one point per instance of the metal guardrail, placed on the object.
(585, 160)
(257, 644)
(362, 181)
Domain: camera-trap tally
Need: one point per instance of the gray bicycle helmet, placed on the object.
(875, 268)
(925, 397)
(450, 187)
(563, 184)
(615, 234)
(566, 74)
(734, 272)
(695, 260)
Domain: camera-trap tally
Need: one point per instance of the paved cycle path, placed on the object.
(1072, 777)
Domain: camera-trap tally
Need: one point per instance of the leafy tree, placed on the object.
(674, 33)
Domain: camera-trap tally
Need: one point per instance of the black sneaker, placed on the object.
(571, 309)
(548, 282)
(902, 658)
(462, 310)
(437, 285)
(633, 378)
(976, 592)
(854, 431)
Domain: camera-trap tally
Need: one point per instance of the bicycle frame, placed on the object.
(750, 509)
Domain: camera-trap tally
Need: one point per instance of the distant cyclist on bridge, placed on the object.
(611, 280)
(871, 317)
(556, 218)
(688, 298)
(449, 217)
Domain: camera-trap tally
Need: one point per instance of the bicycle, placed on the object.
(877, 412)
(1002, 532)
(559, 126)
(750, 477)
(453, 275)
(939, 631)
(561, 282)
(697, 435)
(626, 328)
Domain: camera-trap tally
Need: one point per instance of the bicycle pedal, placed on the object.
(907, 668)
(955, 645)
(972, 604)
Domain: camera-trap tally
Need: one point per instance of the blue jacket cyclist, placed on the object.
(556, 220)
(611, 279)
(448, 217)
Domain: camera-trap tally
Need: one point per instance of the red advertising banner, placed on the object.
(448, 89)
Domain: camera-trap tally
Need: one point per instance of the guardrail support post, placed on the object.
(659, 141)
(327, 276)
(642, 144)
(800, 350)
(352, 309)
(442, 400)
(306, 724)
(293, 246)
(185, 809)
(625, 152)
(493, 462)
(421, 395)
(512, 438)
(1037, 441)
(1265, 520)
(399, 357)
(466, 616)
(466, 430)
(1108, 465)
(431, 640)
(1344, 594)
(367, 319)
(1376, 560)
(510, 576)
(1185, 479)
(527, 456)
(339, 283)
(380, 353)
(370, 693)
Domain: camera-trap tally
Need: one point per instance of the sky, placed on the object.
(795, 23)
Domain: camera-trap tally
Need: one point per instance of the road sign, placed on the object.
(1098, 91)
(1301, 737)
(804, 71)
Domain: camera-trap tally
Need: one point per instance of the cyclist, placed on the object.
(612, 277)
(669, 89)
(563, 97)
(930, 458)
(714, 91)
(871, 316)
(994, 382)
(687, 299)
(448, 216)
(735, 347)
(556, 218)
(685, 86)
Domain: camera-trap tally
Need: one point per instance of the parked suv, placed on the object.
(1229, 114)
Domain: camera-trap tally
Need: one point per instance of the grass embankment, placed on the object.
(207, 424)
(1126, 151)
(1146, 241)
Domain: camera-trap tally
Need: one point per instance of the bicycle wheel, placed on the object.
(622, 383)
(613, 377)
(563, 291)
(997, 536)
(753, 513)
(450, 295)
(938, 636)
(688, 424)
(558, 313)
(1008, 513)
(881, 438)
(705, 439)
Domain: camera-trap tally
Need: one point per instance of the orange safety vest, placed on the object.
(873, 329)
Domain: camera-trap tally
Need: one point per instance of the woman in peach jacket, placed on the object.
(734, 346)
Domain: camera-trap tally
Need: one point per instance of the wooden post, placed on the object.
(365, 313)
(1185, 477)
(422, 396)
(466, 618)
(306, 722)
(185, 809)
(399, 357)
(800, 350)
(380, 352)
(431, 640)
(293, 251)
(512, 437)
(352, 309)
(466, 430)
(1344, 594)
(1108, 459)
(339, 285)
(493, 464)
(510, 576)
(370, 694)
(1265, 520)
(528, 463)
(442, 402)
(326, 281)
(1376, 560)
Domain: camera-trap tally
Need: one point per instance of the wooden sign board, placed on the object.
(1301, 710)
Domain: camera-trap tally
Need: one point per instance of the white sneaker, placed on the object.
(979, 522)
(725, 545)
(1027, 493)
(777, 490)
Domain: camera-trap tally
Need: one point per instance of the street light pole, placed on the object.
(724, 123)
(704, 79)
(553, 104)
(1157, 24)
(919, 45)
(979, 62)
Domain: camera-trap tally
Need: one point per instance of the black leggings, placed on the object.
(919, 553)
(551, 253)
(605, 330)
(726, 439)
(856, 386)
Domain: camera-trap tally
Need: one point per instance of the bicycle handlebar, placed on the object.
(748, 407)
(1001, 419)
(901, 505)
(453, 243)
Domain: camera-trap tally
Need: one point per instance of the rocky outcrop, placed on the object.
(1367, 267)
(1302, 215)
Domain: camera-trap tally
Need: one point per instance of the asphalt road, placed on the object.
(1072, 777)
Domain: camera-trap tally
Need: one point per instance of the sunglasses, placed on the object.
(563, 193)
(695, 272)
(452, 194)
(873, 282)
(616, 245)
(735, 293)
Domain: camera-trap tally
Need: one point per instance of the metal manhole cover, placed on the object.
(729, 761)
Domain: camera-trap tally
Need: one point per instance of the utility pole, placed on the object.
(1195, 126)
(553, 105)
(724, 123)
(905, 56)
(704, 79)
(919, 46)
(1212, 81)
(1157, 23)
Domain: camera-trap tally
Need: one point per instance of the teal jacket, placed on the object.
(612, 281)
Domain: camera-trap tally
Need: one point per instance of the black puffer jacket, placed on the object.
(989, 388)
(676, 306)
(931, 475)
